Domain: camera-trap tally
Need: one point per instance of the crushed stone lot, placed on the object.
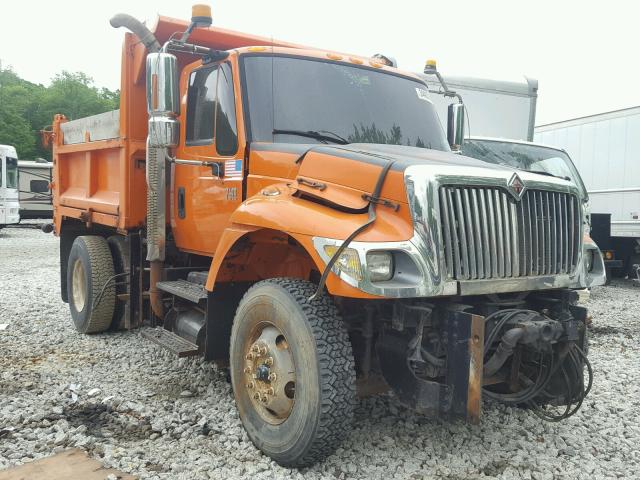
(138, 409)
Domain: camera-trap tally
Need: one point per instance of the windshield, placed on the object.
(12, 172)
(297, 100)
(532, 158)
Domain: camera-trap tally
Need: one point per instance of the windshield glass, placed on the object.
(12, 172)
(328, 102)
(532, 158)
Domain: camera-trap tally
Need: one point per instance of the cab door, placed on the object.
(205, 194)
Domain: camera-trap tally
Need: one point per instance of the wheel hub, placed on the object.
(79, 280)
(262, 373)
(270, 375)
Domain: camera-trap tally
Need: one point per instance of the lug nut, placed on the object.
(263, 350)
(247, 369)
(250, 356)
(271, 391)
(264, 399)
(255, 348)
(250, 385)
(269, 361)
(272, 377)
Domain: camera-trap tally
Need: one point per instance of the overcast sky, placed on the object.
(583, 53)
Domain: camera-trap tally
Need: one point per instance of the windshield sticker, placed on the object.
(422, 94)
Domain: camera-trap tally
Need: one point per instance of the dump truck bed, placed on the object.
(99, 161)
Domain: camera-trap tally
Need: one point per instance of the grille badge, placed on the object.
(516, 186)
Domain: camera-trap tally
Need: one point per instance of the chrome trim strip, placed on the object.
(522, 284)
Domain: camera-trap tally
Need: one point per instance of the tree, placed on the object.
(15, 101)
(26, 108)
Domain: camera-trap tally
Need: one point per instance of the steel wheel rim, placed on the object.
(269, 373)
(79, 280)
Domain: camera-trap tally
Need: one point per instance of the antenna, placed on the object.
(273, 100)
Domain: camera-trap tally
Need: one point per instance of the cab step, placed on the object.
(170, 341)
(191, 291)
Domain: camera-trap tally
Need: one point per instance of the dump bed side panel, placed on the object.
(99, 169)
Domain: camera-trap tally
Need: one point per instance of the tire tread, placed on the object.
(102, 270)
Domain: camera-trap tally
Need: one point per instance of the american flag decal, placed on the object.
(233, 168)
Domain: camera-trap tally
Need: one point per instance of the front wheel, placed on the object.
(292, 371)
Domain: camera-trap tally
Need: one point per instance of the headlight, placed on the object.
(379, 266)
(349, 261)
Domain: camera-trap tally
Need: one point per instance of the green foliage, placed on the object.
(372, 134)
(26, 108)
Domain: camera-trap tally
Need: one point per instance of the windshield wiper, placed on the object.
(550, 175)
(331, 137)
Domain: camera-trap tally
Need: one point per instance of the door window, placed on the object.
(210, 116)
(12, 172)
(201, 106)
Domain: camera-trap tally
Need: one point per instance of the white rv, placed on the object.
(494, 108)
(606, 150)
(35, 195)
(9, 202)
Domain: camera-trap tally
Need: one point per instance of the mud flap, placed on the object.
(465, 350)
(459, 394)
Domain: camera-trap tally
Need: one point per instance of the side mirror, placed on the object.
(455, 126)
(163, 103)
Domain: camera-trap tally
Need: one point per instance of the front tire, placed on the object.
(90, 286)
(292, 371)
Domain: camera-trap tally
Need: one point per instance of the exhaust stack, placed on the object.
(163, 107)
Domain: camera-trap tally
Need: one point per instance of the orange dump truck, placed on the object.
(299, 216)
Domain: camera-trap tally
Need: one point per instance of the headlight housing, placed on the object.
(379, 266)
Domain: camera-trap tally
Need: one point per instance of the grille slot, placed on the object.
(488, 234)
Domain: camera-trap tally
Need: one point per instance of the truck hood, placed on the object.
(402, 156)
(354, 168)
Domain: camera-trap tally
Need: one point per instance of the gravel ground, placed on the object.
(145, 412)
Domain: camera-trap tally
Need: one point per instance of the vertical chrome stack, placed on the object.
(489, 234)
(163, 107)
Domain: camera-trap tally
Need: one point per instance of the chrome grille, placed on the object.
(488, 234)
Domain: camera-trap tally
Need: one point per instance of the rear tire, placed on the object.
(91, 299)
(308, 411)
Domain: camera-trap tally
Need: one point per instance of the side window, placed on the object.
(226, 129)
(201, 106)
(39, 186)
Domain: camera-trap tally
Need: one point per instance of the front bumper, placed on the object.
(10, 214)
(415, 279)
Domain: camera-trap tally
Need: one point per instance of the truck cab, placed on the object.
(9, 201)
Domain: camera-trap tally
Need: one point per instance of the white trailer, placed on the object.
(35, 194)
(9, 202)
(494, 108)
(606, 150)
